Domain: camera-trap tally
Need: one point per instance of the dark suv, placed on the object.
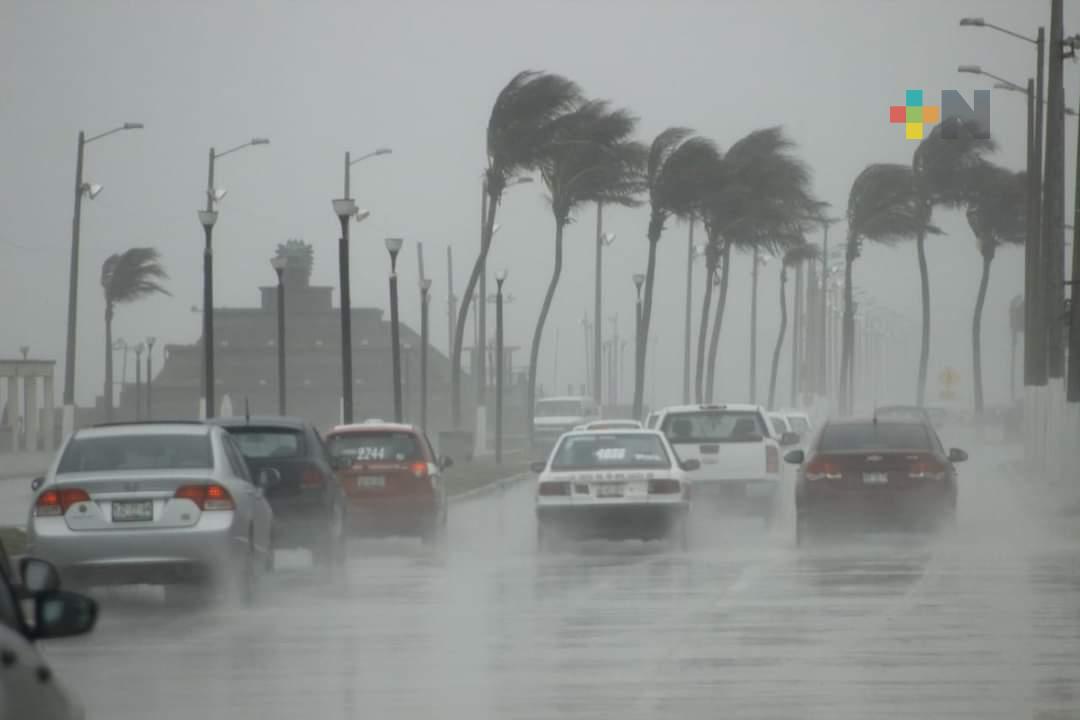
(874, 472)
(307, 499)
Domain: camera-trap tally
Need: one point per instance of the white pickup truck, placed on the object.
(739, 455)
(554, 416)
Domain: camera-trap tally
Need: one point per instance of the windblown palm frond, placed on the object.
(997, 209)
(946, 160)
(801, 253)
(132, 275)
(883, 206)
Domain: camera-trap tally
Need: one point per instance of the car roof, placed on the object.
(572, 398)
(626, 422)
(294, 423)
(739, 407)
(618, 431)
(164, 427)
(794, 413)
(372, 426)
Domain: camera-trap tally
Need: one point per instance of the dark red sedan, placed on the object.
(872, 473)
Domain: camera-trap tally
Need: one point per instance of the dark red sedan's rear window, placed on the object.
(377, 445)
(874, 436)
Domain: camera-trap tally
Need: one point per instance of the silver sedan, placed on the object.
(169, 504)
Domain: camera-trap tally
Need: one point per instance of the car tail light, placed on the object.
(819, 469)
(772, 459)
(664, 487)
(558, 487)
(207, 497)
(57, 502)
(926, 469)
(311, 477)
(419, 469)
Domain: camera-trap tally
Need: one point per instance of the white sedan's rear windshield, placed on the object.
(714, 426)
(596, 451)
(137, 452)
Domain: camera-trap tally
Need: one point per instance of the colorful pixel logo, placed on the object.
(914, 115)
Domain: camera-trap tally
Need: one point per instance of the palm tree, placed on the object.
(882, 207)
(761, 200)
(997, 215)
(591, 159)
(126, 277)
(681, 167)
(943, 164)
(795, 256)
(519, 132)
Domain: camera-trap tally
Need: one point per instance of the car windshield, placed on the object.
(559, 408)
(714, 426)
(390, 446)
(624, 450)
(259, 443)
(137, 452)
(798, 424)
(868, 435)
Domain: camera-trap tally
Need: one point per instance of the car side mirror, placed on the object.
(795, 457)
(58, 613)
(690, 465)
(38, 575)
(36, 483)
(957, 455)
(790, 438)
(538, 466)
(268, 478)
(445, 462)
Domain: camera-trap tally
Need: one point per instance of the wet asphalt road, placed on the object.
(982, 624)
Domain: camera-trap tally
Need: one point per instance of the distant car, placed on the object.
(164, 503)
(392, 479)
(798, 423)
(28, 687)
(874, 472)
(552, 416)
(622, 484)
(306, 496)
(651, 420)
(779, 424)
(908, 412)
(612, 425)
(738, 453)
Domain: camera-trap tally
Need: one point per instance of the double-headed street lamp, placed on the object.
(345, 209)
(393, 246)
(279, 263)
(207, 218)
(500, 278)
(90, 190)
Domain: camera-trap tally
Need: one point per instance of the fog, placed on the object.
(420, 77)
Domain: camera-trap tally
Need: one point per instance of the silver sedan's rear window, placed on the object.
(115, 453)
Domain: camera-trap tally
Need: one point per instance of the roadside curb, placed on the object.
(500, 484)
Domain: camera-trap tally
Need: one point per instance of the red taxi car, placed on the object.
(392, 480)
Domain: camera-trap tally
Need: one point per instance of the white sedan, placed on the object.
(622, 484)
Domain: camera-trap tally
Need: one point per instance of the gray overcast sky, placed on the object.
(322, 77)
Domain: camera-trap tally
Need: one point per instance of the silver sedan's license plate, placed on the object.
(875, 478)
(134, 511)
(609, 490)
(372, 481)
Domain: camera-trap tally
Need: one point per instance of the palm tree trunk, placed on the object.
(643, 336)
(710, 269)
(924, 350)
(847, 343)
(714, 341)
(108, 363)
(538, 332)
(779, 337)
(463, 309)
(976, 334)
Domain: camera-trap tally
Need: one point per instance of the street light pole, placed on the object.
(393, 246)
(207, 218)
(500, 278)
(690, 254)
(150, 377)
(753, 327)
(639, 279)
(425, 296)
(138, 381)
(279, 262)
(81, 188)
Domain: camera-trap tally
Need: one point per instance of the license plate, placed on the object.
(875, 478)
(609, 490)
(372, 481)
(137, 511)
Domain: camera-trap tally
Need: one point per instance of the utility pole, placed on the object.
(1053, 230)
